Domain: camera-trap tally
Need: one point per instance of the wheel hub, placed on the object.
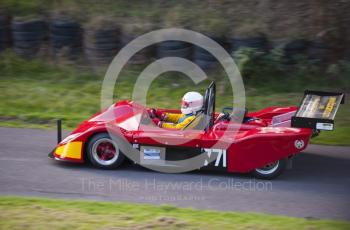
(105, 152)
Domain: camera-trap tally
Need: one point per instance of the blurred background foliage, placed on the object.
(278, 20)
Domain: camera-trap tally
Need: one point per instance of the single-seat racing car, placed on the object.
(263, 144)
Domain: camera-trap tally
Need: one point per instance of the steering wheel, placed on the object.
(224, 117)
(228, 111)
(152, 113)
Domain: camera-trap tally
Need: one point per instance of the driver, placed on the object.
(191, 104)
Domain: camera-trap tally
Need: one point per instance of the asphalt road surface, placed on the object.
(318, 186)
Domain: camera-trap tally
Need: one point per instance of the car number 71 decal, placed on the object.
(219, 153)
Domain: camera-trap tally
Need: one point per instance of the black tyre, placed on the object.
(259, 43)
(3, 46)
(182, 53)
(202, 54)
(206, 65)
(173, 45)
(58, 41)
(4, 30)
(271, 170)
(64, 23)
(28, 26)
(27, 36)
(125, 39)
(66, 37)
(4, 20)
(142, 56)
(4, 35)
(102, 46)
(295, 48)
(298, 44)
(27, 44)
(72, 32)
(65, 32)
(319, 50)
(103, 152)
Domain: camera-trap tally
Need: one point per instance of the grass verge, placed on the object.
(39, 213)
(35, 94)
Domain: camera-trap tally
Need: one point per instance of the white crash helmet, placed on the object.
(191, 102)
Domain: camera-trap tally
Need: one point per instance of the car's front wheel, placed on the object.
(103, 152)
(271, 170)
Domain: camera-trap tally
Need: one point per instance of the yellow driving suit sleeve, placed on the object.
(176, 118)
(173, 117)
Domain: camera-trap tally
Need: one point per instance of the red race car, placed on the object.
(264, 143)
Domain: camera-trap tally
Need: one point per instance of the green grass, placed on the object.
(39, 213)
(35, 94)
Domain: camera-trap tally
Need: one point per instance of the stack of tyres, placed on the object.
(347, 54)
(174, 49)
(204, 59)
(101, 45)
(295, 48)
(66, 37)
(319, 50)
(5, 37)
(28, 36)
(142, 56)
(259, 43)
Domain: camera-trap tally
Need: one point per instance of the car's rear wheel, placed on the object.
(271, 170)
(103, 152)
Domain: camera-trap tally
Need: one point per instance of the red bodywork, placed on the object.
(266, 138)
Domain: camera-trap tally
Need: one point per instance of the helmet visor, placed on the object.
(184, 104)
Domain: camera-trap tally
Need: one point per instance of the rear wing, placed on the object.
(317, 110)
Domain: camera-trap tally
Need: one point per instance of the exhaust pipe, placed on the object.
(59, 131)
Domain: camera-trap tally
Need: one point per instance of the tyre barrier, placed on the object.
(204, 59)
(347, 54)
(5, 38)
(141, 57)
(319, 51)
(295, 48)
(174, 49)
(260, 43)
(65, 37)
(101, 45)
(28, 36)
